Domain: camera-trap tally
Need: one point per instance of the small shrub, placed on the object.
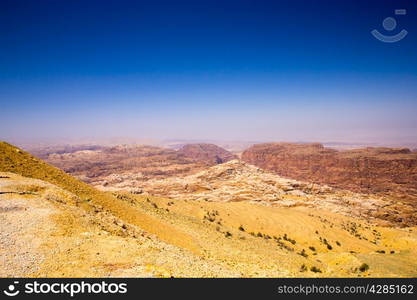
(337, 243)
(363, 267)
(303, 253)
(227, 234)
(303, 268)
(312, 248)
(315, 269)
(241, 228)
(381, 251)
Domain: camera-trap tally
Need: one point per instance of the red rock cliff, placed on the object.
(373, 170)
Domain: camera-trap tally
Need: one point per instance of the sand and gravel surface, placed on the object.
(41, 235)
(23, 222)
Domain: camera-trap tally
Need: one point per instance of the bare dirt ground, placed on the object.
(238, 181)
(23, 222)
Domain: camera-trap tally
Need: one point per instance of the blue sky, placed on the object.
(224, 70)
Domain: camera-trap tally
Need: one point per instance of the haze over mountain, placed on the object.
(386, 171)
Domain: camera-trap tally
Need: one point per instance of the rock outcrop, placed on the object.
(209, 153)
(236, 181)
(136, 161)
(389, 171)
(133, 163)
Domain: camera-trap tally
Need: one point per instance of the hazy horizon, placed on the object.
(236, 146)
(234, 71)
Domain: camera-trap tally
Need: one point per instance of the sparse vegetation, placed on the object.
(228, 234)
(195, 227)
(326, 243)
(211, 216)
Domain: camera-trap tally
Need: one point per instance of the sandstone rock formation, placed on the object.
(133, 163)
(386, 171)
(53, 225)
(236, 181)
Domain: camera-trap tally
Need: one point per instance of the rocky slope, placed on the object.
(133, 163)
(237, 181)
(128, 162)
(53, 225)
(385, 171)
(45, 232)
